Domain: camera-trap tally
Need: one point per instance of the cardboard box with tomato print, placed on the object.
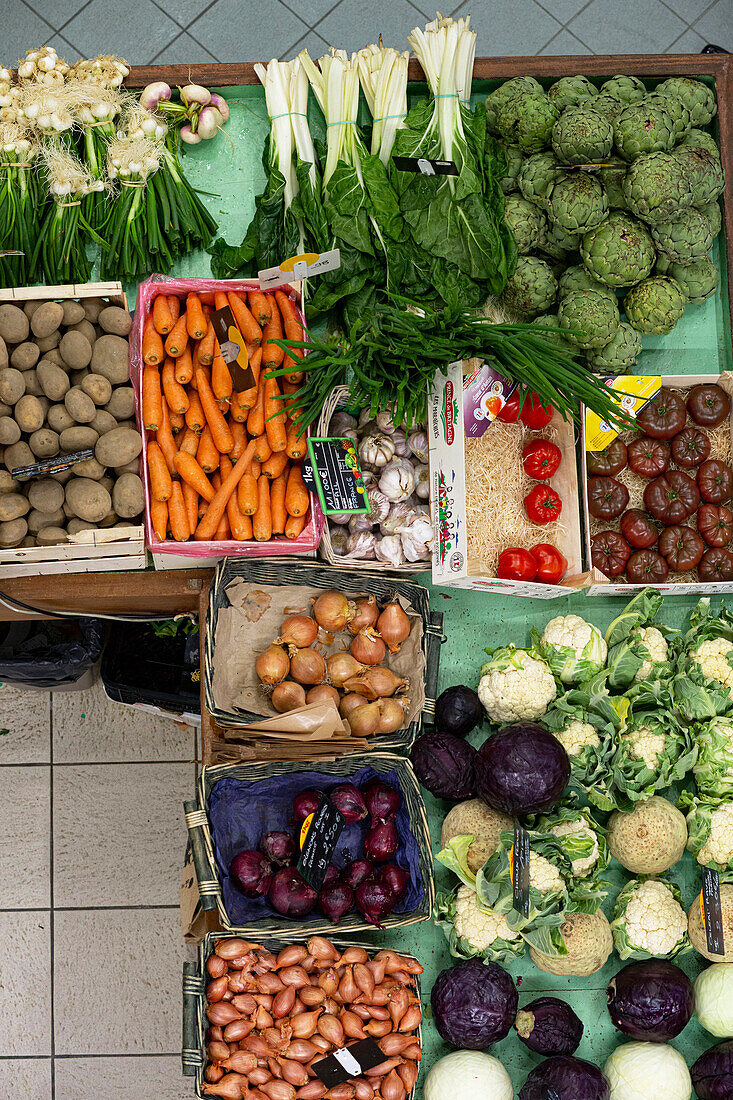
(462, 406)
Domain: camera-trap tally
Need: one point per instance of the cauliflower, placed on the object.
(576, 736)
(645, 744)
(516, 684)
(712, 657)
(584, 864)
(574, 648)
(544, 875)
(648, 921)
(653, 640)
(481, 927)
(718, 848)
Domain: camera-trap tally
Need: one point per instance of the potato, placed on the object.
(44, 443)
(111, 357)
(122, 403)
(19, 454)
(30, 307)
(73, 312)
(55, 356)
(29, 414)
(80, 405)
(108, 482)
(93, 307)
(13, 506)
(46, 319)
(46, 495)
(77, 376)
(38, 520)
(24, 356)
(13, 324)
(103, 422)
(49, 343)
(98, 388)
(54, 381)
(89, 468)
(86, 328)
(12, 385)
(44, 403)
(128, 498)
(115, 320)
(49, 536)
(67, 511)
(129, 468)
(78, 438)
(3, 354)
(5, 410)
(63, 476)
(8, 484)
(9, 431)
(58, 419)
(118, 447)
(87, 499)
(32, 384)
(28, 541)
(76, 349)
(13, 533)
(74, 526)
(109, 520)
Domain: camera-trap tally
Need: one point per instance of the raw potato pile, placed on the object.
(272, 1018)
(64, 387)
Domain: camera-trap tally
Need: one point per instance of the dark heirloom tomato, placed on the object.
(663, 416)
(638, 529)
(716, 565)
(690, 447)
(610, 462)
(672, 498)
(708, 404)
(648, 457)
(715, 524)
(681, 547)
(646, 567)
(607, 497)
(609, 552)
(715, 480)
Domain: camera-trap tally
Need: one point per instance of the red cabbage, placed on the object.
(458, 710)
(548, 1025)
(474, 1004)
(290, 894)
(522, 769)
(568, 1078)
(650, 1001)
(445, 765)
(251, 872)
(712, 1073)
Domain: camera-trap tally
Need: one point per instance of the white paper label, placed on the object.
(299, 267)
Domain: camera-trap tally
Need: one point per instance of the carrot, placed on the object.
(174, 392)
(294, 526)
(190, 471)
(296, 444)
(177, 338)
(166, 442)
(221, 379)
(259, 305)
(237, 413)
(214, 417)
(206, 297)
(162, 316)
(152, 345)
(180, 527)
(196, 325)
(247, 495)
(174, 305)
(235, 517)
(208, 525)
(262, 519)
(222, 532)
(159, 518)
(255, 359)
(177, 421)
(244, 320)
(263, 450)
(293, 331)
(272, 355)
(256, 418)
(195, 418)
(206, 347)
(220, 300)
(152, 399)
(203, 505)
(239, 435)
(275, 464)
(246, 528)
(296, 496)
(191, 500)
(207, 455)
(190, 442)
(160, 478)
(255, 469)
(277, 504)
(274, 415)
(183, 366)
(289, 387)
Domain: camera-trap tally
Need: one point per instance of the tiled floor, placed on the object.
(146, 31)
(91, 849)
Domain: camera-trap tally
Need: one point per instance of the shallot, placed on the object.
(287, 696)
(391, 714)
(323, 693)
(366, 614)
(341, 666)
(368, 648)
(350, 702)
(364, 720)
(298, 630)
(333, 610)
(375, 683)
(273, 665)
(308, 666)
(393, 625)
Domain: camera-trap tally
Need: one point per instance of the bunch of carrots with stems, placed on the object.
(223, 464)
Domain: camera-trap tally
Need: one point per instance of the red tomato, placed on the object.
(516, 564)
(541, 459)
(510, 413)
(543, 504)
(535, 415)
(551, 564)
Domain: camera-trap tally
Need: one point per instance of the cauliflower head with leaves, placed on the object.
(718, 844)
(576, 736)
(583, 865)
(654, 641)
(574, 649)
(649, 921)
(645, 743)
(481, 927)
(516, 684)
(712, 657)
(544, 875)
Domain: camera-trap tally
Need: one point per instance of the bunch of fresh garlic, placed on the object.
(137, 122)
(67, 177)
(105, 70)
(93, 104)
(46, 109)
(133, 159)
(43, 66)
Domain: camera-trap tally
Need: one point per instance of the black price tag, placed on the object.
(346, 1062)
(425, 166)
(51, 465)
(712, 913)
(319, 842)
(332, 470)
(233, 349)
(520, 870)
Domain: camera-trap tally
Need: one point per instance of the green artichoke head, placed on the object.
(619, 355)
(527, 121)
(557, 242)
(655, 188)
(551, 321)
(704, 171)
(537, 177)
(532, 287)
(514, 156)
(643, 128)
(607, 106)
(625, 89)
(703, 138)
(582, 135)
(696, 96)
(590, 319)
(655, 305)
(712, 212)
(578, 203)
(612, 179)
(571, 91)
(518, 85)
(526, 221)
(619, 251)
(579, 278)
(698, 280)
(685, 238)
(677, 111)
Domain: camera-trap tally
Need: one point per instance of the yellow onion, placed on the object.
(393, 626)
(349, 703)
(273, 665)
(341, 666)
(392, 714)
(307, 666)
(287, 696)
(323, 693)
(333, 610)
(364, 720)
(367, 613)
(368, 648)
(298, 630)
(375, 683)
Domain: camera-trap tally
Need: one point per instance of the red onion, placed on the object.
(348, 801)
(380, 843)
(382, 801)
(306, 803)
(356, 872)
(251, 872)
(397, 878)
(336, 900)
(375, 901)
(278, 847)
(290, 894)
(332, 873)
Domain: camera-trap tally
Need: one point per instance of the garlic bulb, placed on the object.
(339, 540)
(389, 550)
(399, 439)
(376, 450)
(400, 515)
(342, 423)
(362, 545)
(364, 416)
(385, 422)
(340, 518)
(418, 443)
(422, 482)
(378, 503)
(397, 480)
(417, 539)
(363, 521)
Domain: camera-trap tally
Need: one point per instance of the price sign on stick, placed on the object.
(332, 471)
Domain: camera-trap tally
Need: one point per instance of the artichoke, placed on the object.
(655, 189)
(532, 287)
(626, 89)
(513, 155)
(698, 281)
(593, 318)
(619, 354)
(655, 305)
(518, 85)
(619, 252)
(612, 179)
(703, 138)
(570, 91)
(557, 242)
(527, 121)
(526, 221)
(551, 321)
(704, 171)
(607, 106)
(696, 96)
(578, 278)
(685, 238)
(711, 210)
(537, 177)
(582, 136)
(578, 203)
(643, 129)
(676, 110)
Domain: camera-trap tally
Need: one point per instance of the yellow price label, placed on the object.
(305, 257)
(631, 394)
(305, 829)
(511, 863)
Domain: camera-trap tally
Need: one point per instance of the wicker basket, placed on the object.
(315, 576)
(207, 868)
(195, 1023)
(339, 397)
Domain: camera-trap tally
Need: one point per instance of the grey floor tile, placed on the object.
(716, 24)
(182, 51)
(117, 982)
(353, 24)
(312, 11)
(23, 1077)
(506, 27)
(25, 837)
(231, 33)
(313, 43)
(89, 727)
(25, 978)
(119, 834)
(134, 1078)
(689, 42)
(565, 43)
(22, 29)
(26, 715)
(63, 48)
(605, 26)
(101, 26)
(185, 12)
(563, 10)
(689, 10)
(57, 12)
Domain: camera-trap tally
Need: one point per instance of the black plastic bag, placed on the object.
(48, 653)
